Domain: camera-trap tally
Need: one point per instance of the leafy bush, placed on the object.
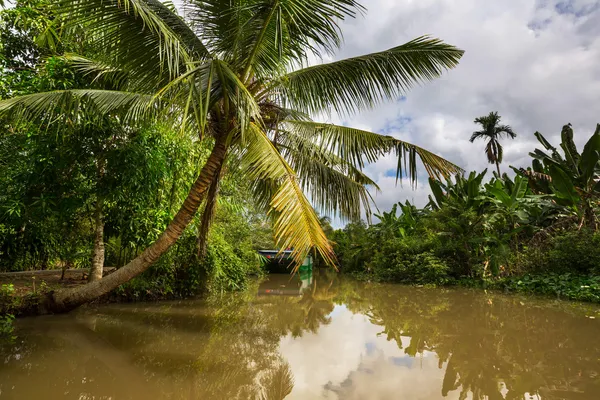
(230, 259)
(571, 252)
(421, 268)
(566, 286)
(7, 298)
(226, 270)
(6, 328)
(407, 260)
(353, 247)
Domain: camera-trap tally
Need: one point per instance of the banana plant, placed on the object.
(463, 192)
(402, 225)
(572, 178)
(517, 202)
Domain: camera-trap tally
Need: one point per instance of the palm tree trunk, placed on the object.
(498, 168)
(208, 216)
(98, 252)
(66, 300)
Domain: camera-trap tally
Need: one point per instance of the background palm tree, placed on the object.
(492, 132)
(228, 74)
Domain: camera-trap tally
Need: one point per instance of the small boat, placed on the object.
(281, 261)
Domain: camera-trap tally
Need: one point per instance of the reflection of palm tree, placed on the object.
(450, 381)
(317, 305)
(278, 384)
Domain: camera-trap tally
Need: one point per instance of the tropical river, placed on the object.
(312, 337)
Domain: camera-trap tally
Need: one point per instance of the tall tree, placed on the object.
(492, 131)
(228, 72)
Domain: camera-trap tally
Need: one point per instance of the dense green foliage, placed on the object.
(231, 257)
(536, 232)
(6, 319)
(138, 175)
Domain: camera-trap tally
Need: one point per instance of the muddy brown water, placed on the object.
(323, 337)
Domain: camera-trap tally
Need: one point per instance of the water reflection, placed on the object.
(316, 337)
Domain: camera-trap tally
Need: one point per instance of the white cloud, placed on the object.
(363, 365)
(535, 62)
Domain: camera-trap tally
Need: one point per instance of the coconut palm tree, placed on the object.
(234, 73)
(492, 132)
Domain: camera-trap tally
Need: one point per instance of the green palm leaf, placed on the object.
(99, 71)
(262, 36)
(334, 186)
(135, 33)
(296, 224)
(358, 147)
(362, 82)
(68, 103)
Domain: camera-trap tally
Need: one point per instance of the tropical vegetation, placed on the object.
(534, 232)
(136, 116)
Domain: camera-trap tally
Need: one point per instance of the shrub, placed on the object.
(179, 273)
(421, 268)
(409, 260)
(6, 328)
(225, 269)
(7, 298)
(567, 286)
(575, 252)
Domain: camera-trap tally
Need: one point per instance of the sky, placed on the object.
(535, 62)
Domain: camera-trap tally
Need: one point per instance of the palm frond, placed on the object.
(358, 147)
(190, 93)
(478, 135)
(334, 186)
(265, 36)
(278, 383)
(296, 224)
(67, 104)
(135, 33)
(220, 25)
(506, 130)
(491, 151)
(107, 74)
(499, 152)
(285, 31)
(362, 82)
(234, 90)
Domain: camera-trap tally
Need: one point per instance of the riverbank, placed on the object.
(21, 294)
(585, 288)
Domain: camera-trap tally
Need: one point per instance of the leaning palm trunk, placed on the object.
(66, 300)
(98, 253)
(207, 216)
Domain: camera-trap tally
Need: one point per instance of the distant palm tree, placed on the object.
(492, 131)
